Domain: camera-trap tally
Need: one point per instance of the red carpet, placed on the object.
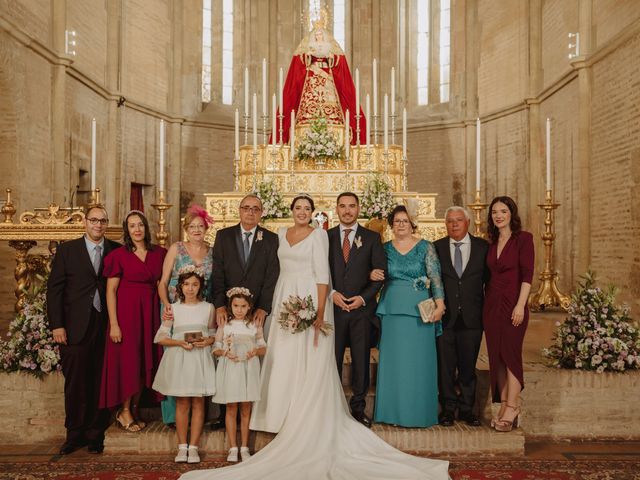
(619, 469)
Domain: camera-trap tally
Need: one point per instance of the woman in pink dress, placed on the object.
(505, 315)
(131, 357)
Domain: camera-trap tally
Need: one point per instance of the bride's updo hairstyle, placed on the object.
(303, 196)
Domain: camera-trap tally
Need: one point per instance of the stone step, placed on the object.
(457, 440)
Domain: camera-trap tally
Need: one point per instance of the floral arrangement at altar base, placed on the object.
(598, 334)
(30, 347)
(377, 200)
(273, 205)
(298, 314)
(319, 144)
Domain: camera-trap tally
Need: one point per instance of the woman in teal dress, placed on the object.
(181, 254)
(407, 384)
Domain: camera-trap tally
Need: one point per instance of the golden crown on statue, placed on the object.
(318, 16)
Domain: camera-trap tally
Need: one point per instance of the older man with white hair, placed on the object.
(464, 273)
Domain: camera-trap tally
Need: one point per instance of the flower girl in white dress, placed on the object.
(187, 370)
(238, 345)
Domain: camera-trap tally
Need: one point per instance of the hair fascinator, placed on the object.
(413, 207)
(198, 211)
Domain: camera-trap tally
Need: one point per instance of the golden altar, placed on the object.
(322, 180)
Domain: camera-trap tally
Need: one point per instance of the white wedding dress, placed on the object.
(303, 400)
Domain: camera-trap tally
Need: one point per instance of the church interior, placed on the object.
(149, 104)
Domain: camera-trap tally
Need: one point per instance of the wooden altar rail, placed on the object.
(52, 224)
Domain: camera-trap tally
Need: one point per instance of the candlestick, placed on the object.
(347, 139)
(264, 87)
(478, 206)
(477, 154)
(246, 129)
(375, 88)
(254, 121)
(93, 154)
(161, 182)
(8, 209)
(404, 133)
(246, 93)
(548, 156)
(367, 107)
(94, 198)
(292, 137)
(386, 123)
(281, 89)
(357, 92)
(162, 206)
(274, 133)
(393, 91)
(236, 152)
(548, 295)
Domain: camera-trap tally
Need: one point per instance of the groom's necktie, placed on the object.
(346, 246)
(97, 257)
(457, 259)
(246, 245)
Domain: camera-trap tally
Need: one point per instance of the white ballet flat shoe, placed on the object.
(244, 453)
(181, 457)
(233, 454)
(194, 457)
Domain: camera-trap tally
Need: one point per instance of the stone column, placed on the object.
(470, 97)
(59, 164)
(112, 190)
(585, 86)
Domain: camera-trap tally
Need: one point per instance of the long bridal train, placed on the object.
(319, 439)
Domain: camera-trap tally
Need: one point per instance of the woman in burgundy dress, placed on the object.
(131, 357)
(505, 314)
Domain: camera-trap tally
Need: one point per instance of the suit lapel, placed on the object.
(353, 252)
(447, 262)
(84, 253)
(338, 261)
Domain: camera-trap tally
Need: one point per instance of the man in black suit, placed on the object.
(354, 251)
(245, 255)
(77, 314)
(464, 274)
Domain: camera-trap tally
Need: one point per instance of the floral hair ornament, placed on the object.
(191, 269)
(198, 211)
(239, 291)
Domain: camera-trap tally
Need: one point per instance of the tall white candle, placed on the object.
(357, 92)
(236, 153)
(404, 133)
(386, 122)
(548, 154)
(367, 113)
(347, 139)
(292, 136)
(93, 154)
(393, 91)
(254, 121)
(264, 87)
(375, 87)
(477, 154)
(281, 90)
(162, 155)
(246, 91)
(274, 132)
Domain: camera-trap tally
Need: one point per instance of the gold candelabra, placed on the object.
(548, 295)
(161, 206)
(94, 199)
(8, 209)
(478, 206)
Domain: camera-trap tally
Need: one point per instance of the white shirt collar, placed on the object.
(353, 228)
(466, 239)
(92, 245)
(253, 230)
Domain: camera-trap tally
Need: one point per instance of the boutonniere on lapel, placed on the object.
(259, 236)
(357, 241)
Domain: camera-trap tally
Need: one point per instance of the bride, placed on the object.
(301, 395)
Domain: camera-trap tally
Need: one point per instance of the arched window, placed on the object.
(433, 50)
(218, 50)
(227, 52)
(206, 51)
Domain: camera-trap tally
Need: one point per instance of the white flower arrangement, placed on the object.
(319, 144)
(30, 347)
(598, 335)
(273, 205)
(377, 199)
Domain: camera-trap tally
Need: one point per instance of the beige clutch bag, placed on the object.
(426, 308)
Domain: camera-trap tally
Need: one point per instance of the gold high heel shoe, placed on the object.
(503, 406)
(506, 425)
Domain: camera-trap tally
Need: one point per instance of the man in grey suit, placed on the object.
(464, 274)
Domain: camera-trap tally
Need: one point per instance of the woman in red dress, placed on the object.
(131, 358)
(505, 314)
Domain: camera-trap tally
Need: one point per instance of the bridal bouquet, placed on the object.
(598, 334)
(298, 314)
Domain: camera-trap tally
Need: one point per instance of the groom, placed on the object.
(353, 252)
(245, 255)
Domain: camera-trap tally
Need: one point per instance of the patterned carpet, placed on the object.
(516, 469)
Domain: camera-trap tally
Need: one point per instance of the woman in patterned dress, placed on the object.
(195, 251)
